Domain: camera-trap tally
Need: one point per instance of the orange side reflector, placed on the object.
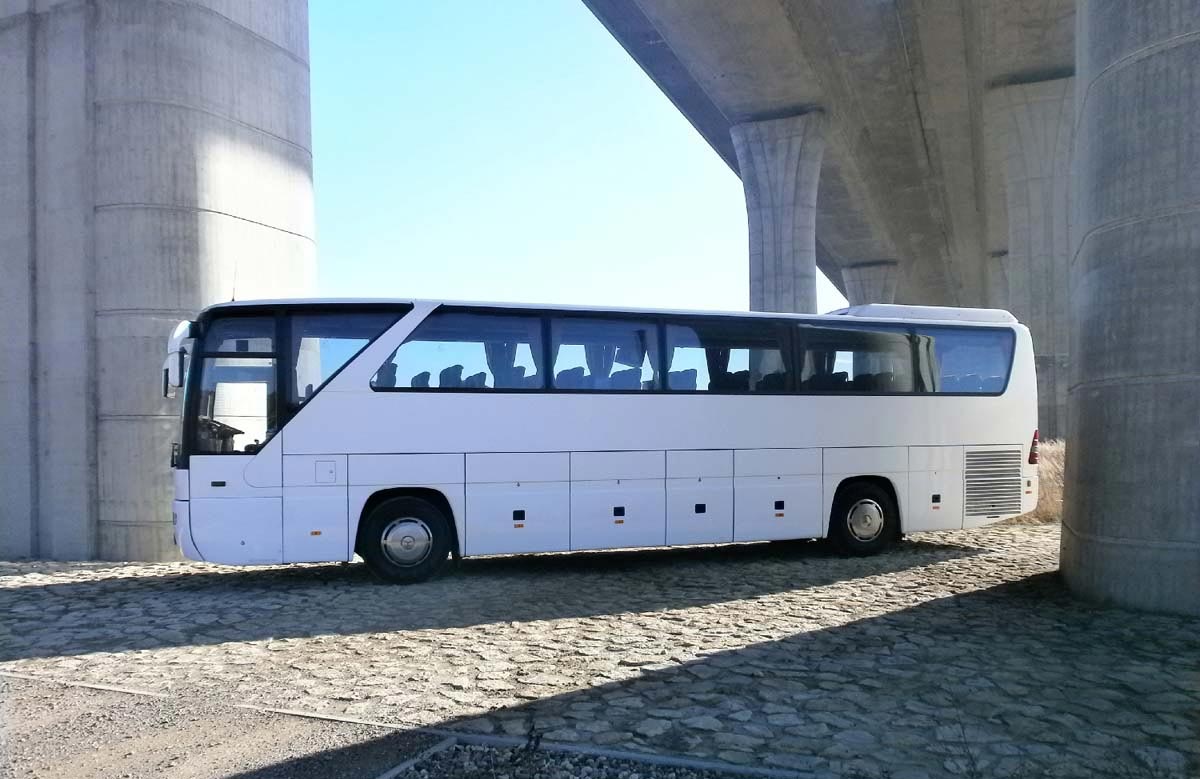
(936, 508)
(618, 522)
(518, 524)
(315, 533)
(779, 514)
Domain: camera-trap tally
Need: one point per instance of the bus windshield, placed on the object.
(256, 371)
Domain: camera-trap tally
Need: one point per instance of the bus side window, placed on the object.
(964, 360)
(459, 350)
(865, 359)
(604, 355)
(726, 355)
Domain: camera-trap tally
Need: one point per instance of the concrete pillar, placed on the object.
(780, 165)
(1131, 533)
(871, 282)
(154, 158)
(1035, 122)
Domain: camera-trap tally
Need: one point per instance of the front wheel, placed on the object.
(405, 540)
(864, 519)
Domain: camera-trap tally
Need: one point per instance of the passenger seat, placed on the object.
(450, 378)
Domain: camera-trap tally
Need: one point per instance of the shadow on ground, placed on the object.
(141, 611)
(1017, 680)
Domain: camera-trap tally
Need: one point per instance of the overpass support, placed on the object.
(154, 158)
(1131, 532)
(1035, 123)
(871, 282)
(780, 165)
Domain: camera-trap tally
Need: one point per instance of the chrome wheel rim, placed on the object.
(865, 520)
(407, 541)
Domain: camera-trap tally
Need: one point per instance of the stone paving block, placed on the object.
(950, 645)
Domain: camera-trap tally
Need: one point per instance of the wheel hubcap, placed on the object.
(407, 541)
(865, 520)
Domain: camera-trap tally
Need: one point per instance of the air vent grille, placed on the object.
(993, 483)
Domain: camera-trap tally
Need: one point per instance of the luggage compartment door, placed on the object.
(776, 494)
(700, 497)
(518, 503)
(618, 499)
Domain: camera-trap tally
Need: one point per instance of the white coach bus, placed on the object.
(411, 431)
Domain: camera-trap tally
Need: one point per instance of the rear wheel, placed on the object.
(405, 540)
(864, 519)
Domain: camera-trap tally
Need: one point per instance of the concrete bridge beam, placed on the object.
(780, 163)
(1131, 531)
(871, 282)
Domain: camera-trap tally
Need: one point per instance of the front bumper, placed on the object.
(181, 519)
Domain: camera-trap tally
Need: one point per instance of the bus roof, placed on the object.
(873, 311)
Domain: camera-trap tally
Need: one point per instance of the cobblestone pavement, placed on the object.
(954, 654)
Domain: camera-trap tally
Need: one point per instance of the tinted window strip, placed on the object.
(789, 338)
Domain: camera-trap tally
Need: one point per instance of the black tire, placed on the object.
(405, 540)
(864, 520)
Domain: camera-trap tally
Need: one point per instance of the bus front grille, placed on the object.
(993, 483)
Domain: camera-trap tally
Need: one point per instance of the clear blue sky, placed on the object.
(511, 151)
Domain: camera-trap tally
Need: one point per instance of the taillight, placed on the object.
(1033, 449)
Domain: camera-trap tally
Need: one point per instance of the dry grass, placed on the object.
(1050, 486)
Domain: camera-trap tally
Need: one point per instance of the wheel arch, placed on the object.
(883, 482)
(432, 495)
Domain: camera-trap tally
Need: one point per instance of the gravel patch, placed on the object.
(52, 730)
(476, 762)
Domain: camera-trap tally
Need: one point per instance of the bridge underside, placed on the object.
(937, 153)
(941, 173)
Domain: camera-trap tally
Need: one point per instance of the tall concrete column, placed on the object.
(1131, 533)
(1035, 122)
(871, 282)
(154, 158)
(780, 165)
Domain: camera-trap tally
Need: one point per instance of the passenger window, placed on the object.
(876, 360)
(461, 351)
(323, 343)
(964, 360)
(604, 354)
(728, 355)
(241, 334)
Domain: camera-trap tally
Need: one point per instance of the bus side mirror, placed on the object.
(174, 371)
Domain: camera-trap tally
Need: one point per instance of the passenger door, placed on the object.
(235, 478)
(236, 506)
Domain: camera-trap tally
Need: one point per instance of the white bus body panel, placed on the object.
(493, 453)
(315, 512)
(618, 513)
(618, 499)
(699, 497)
(233, 520)
(776, 494)
(935, 487)
(518, 503)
